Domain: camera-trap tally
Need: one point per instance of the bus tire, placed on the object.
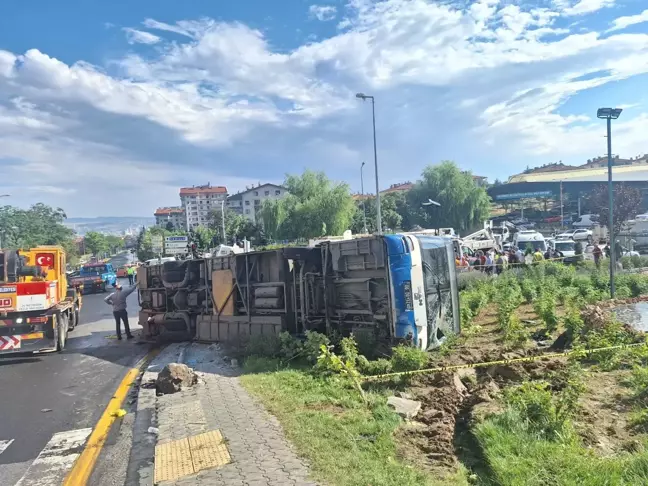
(74, 318)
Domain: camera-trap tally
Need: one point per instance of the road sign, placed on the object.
(173, 239)
(157, 243)
(176, 251)
(175, 244)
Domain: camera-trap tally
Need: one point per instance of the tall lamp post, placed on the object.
(365, 97)
(364, 210)
(610, 114)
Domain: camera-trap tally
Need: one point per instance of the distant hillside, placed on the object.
(109, 224)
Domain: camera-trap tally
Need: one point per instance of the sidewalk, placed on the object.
(259, 453)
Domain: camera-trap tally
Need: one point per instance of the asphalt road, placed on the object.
(42, 395)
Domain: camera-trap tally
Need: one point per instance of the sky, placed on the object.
(107, 108)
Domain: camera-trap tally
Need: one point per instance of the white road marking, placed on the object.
(4, 444)
(56, 459)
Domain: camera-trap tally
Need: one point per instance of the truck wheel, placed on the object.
(62, 330)
(74, 318)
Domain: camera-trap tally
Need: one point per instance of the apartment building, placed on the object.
(198, 201)
(174, 215)
(249, 202)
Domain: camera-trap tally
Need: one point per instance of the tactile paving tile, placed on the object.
(180, 458)
(172, 461)
(208, 451)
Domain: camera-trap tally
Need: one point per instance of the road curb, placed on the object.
(141, 462)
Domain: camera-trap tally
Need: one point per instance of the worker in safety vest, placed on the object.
(131, 274)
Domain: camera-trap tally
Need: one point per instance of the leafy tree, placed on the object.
(314, 206)
(38, 225)
(463, 203)
(95, 242)
(169, 226)
(390, 206)
(627, 203)
(114, 243)
(237, 227)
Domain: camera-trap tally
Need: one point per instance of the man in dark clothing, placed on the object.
(118, 301)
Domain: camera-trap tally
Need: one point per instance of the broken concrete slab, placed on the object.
(407, 409)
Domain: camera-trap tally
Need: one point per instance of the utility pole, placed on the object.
(373, 118)
(364, 209)
(610, 114)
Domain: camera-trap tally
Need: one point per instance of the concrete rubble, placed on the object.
(408, 409)
(174, 377)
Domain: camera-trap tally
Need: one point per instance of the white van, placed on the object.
(159, 261)
(524, 238)
(586, 221)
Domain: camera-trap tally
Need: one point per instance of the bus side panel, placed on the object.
(400, 272)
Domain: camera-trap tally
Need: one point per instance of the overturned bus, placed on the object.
(399, 287)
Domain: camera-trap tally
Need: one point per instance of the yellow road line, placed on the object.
(80, 473)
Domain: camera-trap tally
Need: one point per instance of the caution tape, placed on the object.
(526, 359)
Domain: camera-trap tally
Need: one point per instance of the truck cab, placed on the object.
(96, 277)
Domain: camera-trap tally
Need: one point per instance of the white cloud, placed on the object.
(487, 84)
(583, 7)
(627, 21)
(135, 36)
(322, 12)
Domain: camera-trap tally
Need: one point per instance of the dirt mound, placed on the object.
(452, 401)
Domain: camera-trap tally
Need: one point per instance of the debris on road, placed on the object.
(173, 377)
(45, 410)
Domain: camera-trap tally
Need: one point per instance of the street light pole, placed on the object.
(373, 118)
(610, 114)
(364, 209)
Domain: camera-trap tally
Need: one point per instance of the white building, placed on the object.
(174, 215)
(249, 202)
(198, 201)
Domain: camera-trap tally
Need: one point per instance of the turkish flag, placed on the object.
(45, 260)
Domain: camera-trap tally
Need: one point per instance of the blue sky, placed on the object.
(106, 108)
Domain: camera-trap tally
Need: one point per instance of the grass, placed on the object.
(351, 440)
(515, 457)
(346, 442)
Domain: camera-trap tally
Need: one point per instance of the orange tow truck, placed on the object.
(37, 306)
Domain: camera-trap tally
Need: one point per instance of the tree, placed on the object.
(95, 242)
(38, 225)
(627, 203)
(463, 203)
(391, 205)
(169, 226)
(114, 243)
(315, 206)
(237, 227)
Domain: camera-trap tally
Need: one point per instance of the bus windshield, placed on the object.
(440, 285)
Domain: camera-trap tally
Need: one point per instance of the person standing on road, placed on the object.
(130, 271)
(598, 253)
(118, 301)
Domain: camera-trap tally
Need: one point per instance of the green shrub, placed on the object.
(408, 358)
(374, 367)
(514, 331)
(544, 415)
(313, 344)
(264, 346)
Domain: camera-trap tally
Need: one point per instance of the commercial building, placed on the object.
(198, 201)
(174, 215)
(249, 202)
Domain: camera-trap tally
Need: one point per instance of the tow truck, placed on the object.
(95, 277)
(37, 306)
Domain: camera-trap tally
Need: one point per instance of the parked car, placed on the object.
(577, 235)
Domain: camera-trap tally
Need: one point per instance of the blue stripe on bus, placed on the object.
(400, 266)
